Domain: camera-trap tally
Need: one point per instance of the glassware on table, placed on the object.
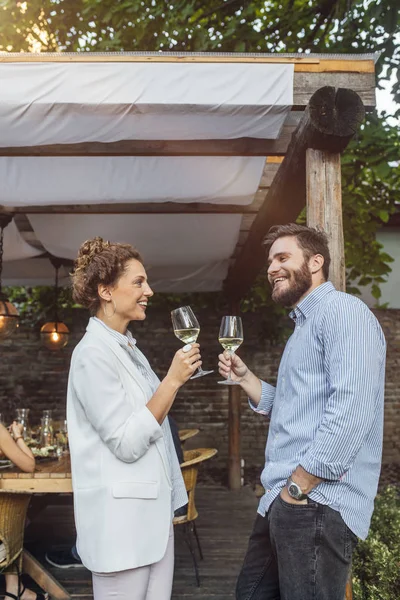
(62, 439)
(187, 328)
(230, 337)
(22, 417)
(46, 430)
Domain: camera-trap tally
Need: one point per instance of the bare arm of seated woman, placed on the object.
(16, 449)
(127, 431)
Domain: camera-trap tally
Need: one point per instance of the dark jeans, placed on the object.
(297, 552)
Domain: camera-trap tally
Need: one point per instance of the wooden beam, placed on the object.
(353, 63)
(329, 123)
(142, 208)
(324, 207)
(43, 578)
(235, 147)
(306, 84)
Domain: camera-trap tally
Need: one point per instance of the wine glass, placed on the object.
(22, 417)
(62, 439)
(187, 328)
(230, 337)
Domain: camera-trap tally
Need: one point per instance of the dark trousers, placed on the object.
(297, 552)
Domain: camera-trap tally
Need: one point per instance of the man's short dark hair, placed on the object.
(310, 239)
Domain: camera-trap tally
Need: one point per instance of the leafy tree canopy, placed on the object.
(199, 25)
(371, 171)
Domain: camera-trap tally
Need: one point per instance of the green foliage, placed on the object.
(371, 189)
(36, 305)
(203, 25)
(376, 561)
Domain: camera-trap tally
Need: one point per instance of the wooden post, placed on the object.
(234, 426)
(234, 437)
(324, 207)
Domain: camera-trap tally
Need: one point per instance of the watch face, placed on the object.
(293, 490)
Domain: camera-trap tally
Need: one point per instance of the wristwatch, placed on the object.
(295, 490)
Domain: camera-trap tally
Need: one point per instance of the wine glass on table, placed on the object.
(187, 329)
(230, 337)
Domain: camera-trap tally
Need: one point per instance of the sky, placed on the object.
(384, 98)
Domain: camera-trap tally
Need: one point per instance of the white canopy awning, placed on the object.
(15, 247)
(65, 103)
(35, 271)
(78, 102)
(107, 180)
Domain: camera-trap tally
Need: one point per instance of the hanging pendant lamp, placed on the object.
(54, 335)
(9, 316)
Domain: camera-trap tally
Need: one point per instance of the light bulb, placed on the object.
(54, 335)
(9, 320)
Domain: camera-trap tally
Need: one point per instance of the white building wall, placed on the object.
(390, 239)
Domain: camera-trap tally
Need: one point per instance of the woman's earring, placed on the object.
(105, 312)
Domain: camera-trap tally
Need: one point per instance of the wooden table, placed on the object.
(50, 477)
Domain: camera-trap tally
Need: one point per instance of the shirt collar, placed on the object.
(124, 340)
(311, 301)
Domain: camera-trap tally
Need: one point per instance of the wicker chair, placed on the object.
(186, 434)
(13, 509)
(193, 459)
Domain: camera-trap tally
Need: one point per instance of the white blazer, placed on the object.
(120, 469)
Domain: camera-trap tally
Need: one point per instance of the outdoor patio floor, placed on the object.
(224, 523)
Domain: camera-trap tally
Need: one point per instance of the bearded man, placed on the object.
(324, 447)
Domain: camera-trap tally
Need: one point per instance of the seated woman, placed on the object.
(14, 448)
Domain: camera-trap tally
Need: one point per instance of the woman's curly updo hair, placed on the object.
(99, 262)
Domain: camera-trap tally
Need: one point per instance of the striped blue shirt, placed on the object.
(128, 343)
(327, 408)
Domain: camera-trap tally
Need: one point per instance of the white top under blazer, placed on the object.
(121, 470)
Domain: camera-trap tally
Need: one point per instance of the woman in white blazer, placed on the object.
(125, 472)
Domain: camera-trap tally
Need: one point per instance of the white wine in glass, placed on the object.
(230, 337)
(187, 336)
(187, 329)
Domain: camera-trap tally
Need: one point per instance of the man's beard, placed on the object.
(299, 282)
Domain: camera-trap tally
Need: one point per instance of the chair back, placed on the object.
(190, 468)
(13, 509)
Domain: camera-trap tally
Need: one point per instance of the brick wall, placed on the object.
(33, 377)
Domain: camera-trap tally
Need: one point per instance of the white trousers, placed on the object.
(152, 582)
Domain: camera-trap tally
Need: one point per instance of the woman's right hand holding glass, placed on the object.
(184, 363)
(233, 364)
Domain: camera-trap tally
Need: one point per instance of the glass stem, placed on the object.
(229, 378)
